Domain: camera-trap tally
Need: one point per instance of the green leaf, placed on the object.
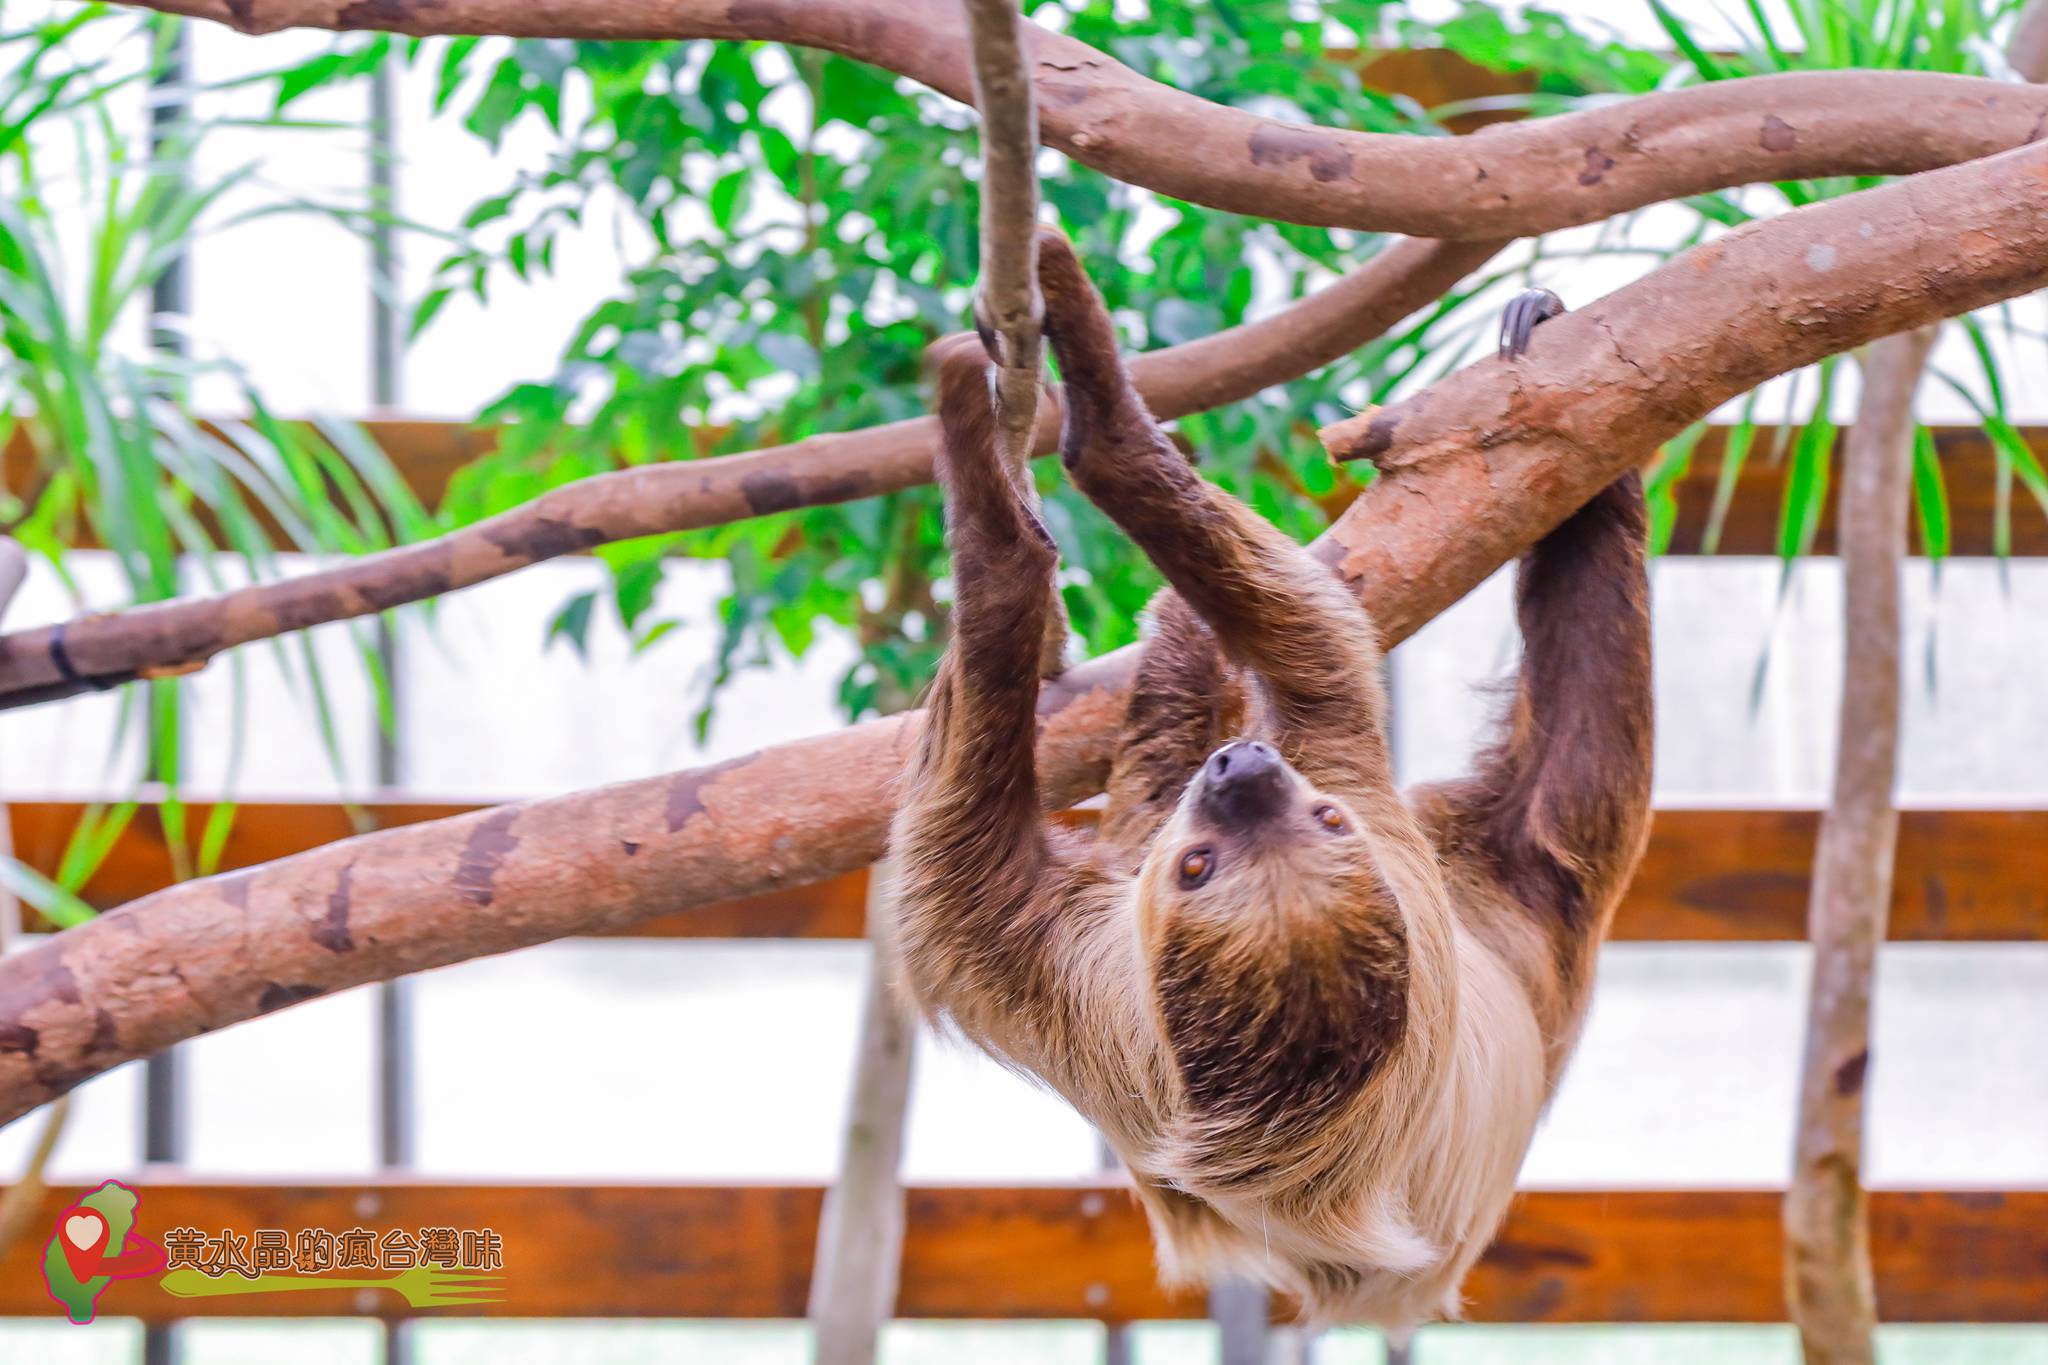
(728, 198)
(572, 622)
(1930, 496)
(1807, 479)
(429, 305)
(1681, 37)
(61, 907)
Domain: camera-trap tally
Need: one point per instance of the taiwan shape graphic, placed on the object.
(91, 1248)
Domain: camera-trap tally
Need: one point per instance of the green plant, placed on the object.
(92, 214)
(796, 234)
(803, 235)
(1960, 36)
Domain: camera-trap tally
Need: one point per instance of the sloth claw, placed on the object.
(1524, 311)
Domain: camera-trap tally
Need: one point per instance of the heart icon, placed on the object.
(82, 1233)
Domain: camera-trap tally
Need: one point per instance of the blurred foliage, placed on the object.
(1956, 36)
(95, 208)
(798, 227)
(795, 228)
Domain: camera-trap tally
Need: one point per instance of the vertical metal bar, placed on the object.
(1243, 1315)
(397, 1118)
(1118, 1347)
(170, 124)
(1390, 680)
(387, 323)
(164, 1127)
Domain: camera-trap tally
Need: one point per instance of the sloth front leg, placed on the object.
(969, 837)
(1271, 606)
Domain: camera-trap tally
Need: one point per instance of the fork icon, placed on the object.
(426, 1286)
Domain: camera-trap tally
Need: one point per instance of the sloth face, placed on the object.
(1253, 847)
(1247, 817)
(1276, 949)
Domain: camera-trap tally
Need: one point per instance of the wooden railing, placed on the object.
(1069, 1251)
(1080, 1250)
(1711, 875)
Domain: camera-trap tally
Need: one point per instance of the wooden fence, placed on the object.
(1080, 1250)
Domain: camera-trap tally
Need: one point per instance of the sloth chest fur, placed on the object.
(1377, 1216)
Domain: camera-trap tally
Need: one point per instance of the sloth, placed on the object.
(1317, 1020)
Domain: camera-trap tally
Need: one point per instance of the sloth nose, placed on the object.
(1243, 782)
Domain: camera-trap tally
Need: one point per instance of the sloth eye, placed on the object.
(1197, 865)
(1330, 818)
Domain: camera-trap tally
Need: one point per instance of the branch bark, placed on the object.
(112, 648)
(2027, 49)
(1508, 180)
(1473, 471)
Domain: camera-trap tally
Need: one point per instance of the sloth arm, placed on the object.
(1002, 923)
(1271, 607)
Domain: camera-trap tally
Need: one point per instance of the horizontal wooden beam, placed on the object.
(1729, 876)
(428, 453)
(1066, 1251)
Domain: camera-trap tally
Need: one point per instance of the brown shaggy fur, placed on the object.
(1321, 1034)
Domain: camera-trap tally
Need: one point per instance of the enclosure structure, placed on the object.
(1080, 1252)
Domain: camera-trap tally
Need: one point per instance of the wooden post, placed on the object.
(860, 1232)
(1829, 1284)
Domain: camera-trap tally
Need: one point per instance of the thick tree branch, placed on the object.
(1509, 180)
(1223, 368)
(1474, 470)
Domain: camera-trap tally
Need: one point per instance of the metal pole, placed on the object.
(164, 1126)
(1118, 1348)
(1242, 1313)
(397, 1121)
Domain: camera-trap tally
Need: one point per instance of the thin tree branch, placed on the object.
(1007, 305)
(855, 1273)
(1827, 1236)
(174, 637)
(1509, 180)
(1007, 308)
(1474, 470)
(2027, 49)
(1828, 1281)
(23, 1199)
